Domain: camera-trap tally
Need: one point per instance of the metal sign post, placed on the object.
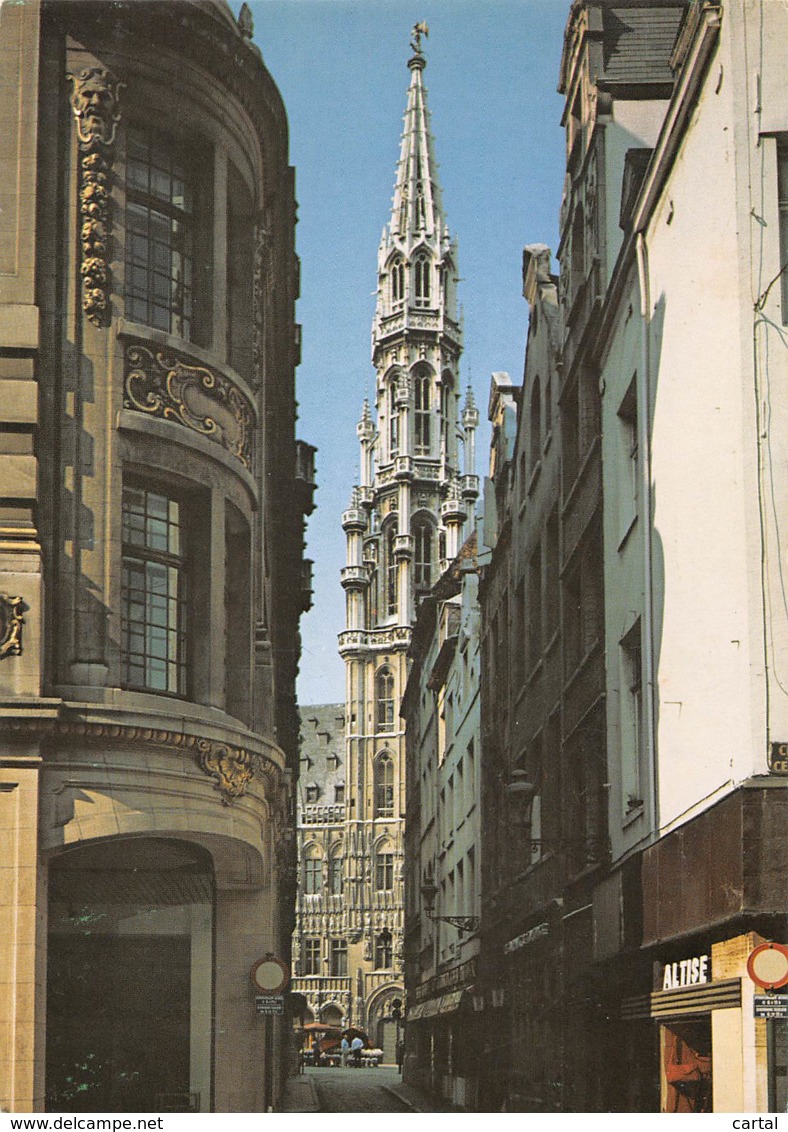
(269, 977)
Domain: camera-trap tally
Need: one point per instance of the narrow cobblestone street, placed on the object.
(357, 1090)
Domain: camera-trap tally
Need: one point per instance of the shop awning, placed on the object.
(433, 1007)
(450, 1002)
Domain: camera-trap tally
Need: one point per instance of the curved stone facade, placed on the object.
(151, 528)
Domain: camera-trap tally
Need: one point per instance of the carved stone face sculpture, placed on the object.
(95, 102)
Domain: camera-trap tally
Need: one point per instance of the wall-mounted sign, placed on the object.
(770, 1006)
(686, 972)
(767, 965)
(523, 940)
(778, 758)
(269, 1003)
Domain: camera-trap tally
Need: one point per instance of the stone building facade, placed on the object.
(152, 513)
(632, 760)
(406, 521)
(442, 835)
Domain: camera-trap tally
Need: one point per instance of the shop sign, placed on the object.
(537, 932)
(269, 1003)
(687, 972)
(770, 1006)
(778, 758)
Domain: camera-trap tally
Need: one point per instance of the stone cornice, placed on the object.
(232, 767)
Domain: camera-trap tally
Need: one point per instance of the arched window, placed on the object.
(313, 870)
(421, 279)
(391, 573)
(421, 393)
(384, 786)
(384, 867)
(384, 699)
(423, 559)
(384, 951)
(393, 420)
(397, 282)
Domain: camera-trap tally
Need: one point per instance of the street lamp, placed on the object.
(429, 891)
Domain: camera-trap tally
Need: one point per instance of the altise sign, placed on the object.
(686, 973)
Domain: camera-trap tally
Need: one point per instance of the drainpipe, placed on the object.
(644, 446)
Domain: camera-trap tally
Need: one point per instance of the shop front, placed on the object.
(441, 1036)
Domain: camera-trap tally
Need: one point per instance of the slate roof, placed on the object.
(638, 43)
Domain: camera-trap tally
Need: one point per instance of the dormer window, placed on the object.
(312, 795)
(421, 279)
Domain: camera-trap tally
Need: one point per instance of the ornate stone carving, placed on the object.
(11, 622)
(95, 100)
(164, 385)
(232, 767)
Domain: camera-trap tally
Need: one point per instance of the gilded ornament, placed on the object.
(232, 767)
(166, 386)
(11, 622)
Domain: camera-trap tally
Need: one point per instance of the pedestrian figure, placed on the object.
(344, 1051)
(356, 1047)
(400, 1054)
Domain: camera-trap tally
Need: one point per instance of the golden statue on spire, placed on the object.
(418, 31)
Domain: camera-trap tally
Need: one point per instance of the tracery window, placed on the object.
(384, 699)
(384, 867)
(313, 870)
(423, 558)
(392, 571)
(384, 952)
(384, 786)
(393, 420)
(422, 414)
(421, 278)
(397, 275)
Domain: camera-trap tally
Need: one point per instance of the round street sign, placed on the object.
(270, 975)
(767, 965)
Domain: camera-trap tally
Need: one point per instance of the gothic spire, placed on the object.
(417, 210)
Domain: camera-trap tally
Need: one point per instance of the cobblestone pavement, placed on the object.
(357, 1090)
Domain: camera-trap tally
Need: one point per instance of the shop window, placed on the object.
(161, 198)
(384, 786)
(154, 591)
(686, 1061)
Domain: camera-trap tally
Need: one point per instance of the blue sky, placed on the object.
(341, 65)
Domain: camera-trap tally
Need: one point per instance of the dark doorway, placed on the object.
(117, 1022)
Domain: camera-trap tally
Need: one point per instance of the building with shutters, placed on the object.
(152, 519)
